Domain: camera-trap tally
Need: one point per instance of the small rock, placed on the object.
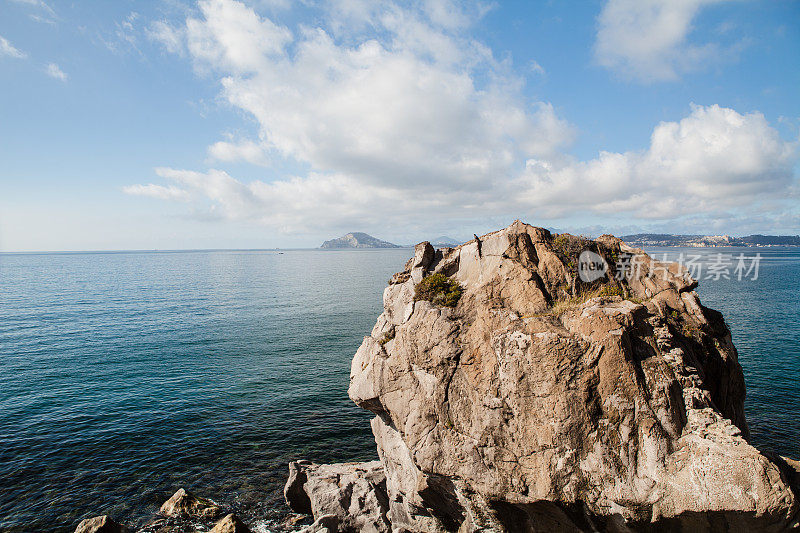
(184, 504)
(100, 524)
(230, 524)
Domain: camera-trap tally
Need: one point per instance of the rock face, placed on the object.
(540, 402)
(357, 240)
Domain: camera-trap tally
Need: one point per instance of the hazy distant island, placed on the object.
(666, 239)
(445, 242)
(357, 240)
(363, 240)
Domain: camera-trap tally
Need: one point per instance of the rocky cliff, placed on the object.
(511, 395)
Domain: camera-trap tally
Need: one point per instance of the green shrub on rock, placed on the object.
(439, 290)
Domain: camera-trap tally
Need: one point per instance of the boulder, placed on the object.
(100, 524)
(230, 524)
(541, 402)
(353, 493)
(184, 504)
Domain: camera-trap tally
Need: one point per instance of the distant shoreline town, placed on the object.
(363, 240)
(704, 241)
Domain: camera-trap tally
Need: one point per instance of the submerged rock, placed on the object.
(540, 402)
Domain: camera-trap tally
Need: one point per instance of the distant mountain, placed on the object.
(771, 240)
(444, 242)
(666, 239)
(357, 240)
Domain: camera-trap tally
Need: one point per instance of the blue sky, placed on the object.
(223, 124)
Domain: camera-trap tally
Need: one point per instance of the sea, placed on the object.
(127, 375)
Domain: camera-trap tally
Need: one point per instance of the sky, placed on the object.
(280, 123)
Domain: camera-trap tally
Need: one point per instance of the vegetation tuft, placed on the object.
(561, 305)
(568, 247)
(439, 290)
(389, 335)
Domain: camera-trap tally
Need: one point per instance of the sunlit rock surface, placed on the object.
(544, 403)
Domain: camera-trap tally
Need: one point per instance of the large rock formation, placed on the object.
(540, 402)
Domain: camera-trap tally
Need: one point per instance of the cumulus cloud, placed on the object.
(6, 49)
(710, 161)
(711, 167)
(648, 40)
(403, 117)
(54, 71)
(402, 110)
(292, 204)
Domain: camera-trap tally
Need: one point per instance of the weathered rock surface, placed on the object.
(543, 403)
(100, 524)
(354, 494)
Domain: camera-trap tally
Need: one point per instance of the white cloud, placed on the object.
(536, 68)
(123, 38)
(170, 38)
(158, 191)
(54, 71)
(406, 120)
(404, 110)
(713, 160)
(292, 204)
(243, 151)
(49, 14)
(234, 38)
(6, 49)
(647, 40)
(711, 167)
(35, 3)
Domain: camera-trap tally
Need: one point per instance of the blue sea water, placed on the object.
(124, 376)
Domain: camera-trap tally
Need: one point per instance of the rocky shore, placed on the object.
(522, 398)
(182, 513)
